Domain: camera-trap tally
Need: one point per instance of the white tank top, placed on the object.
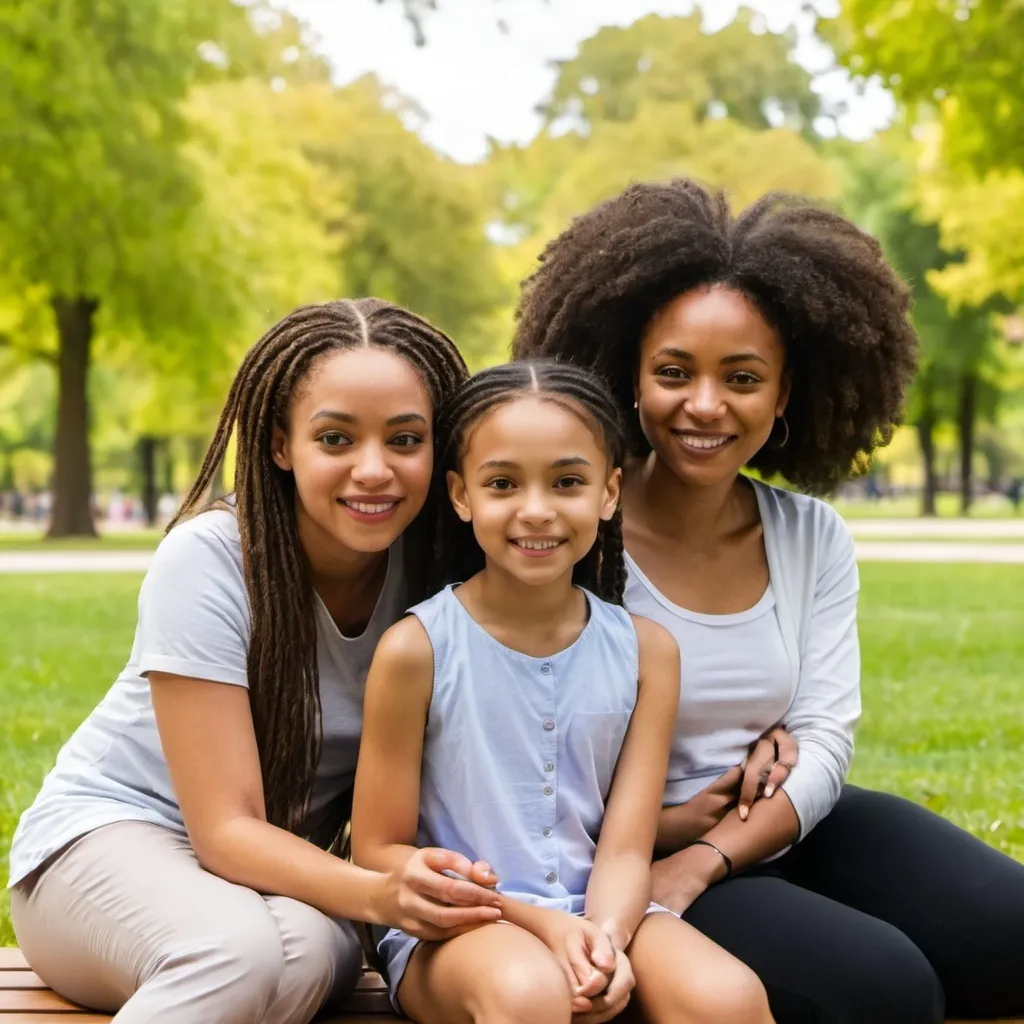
(735, 682)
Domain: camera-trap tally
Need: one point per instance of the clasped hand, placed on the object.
(600, 976)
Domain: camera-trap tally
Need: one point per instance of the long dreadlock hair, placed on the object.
(284, 689)
(578, 391)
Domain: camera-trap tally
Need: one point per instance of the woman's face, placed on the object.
(710, 383)
(360, 446)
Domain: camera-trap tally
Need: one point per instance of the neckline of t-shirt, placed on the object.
(530, 658)
(762, 606)
(381, 597)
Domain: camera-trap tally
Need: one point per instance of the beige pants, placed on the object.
(126, 921)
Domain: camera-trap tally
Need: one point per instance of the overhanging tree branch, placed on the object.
(42, 354)
(415, 11)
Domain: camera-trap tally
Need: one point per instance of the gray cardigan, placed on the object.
(805, 660)
(814, 573)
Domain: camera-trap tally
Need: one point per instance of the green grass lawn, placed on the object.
(909, 507)
(943, 686)
(134, 540)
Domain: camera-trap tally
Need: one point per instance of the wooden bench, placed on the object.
(24, 999)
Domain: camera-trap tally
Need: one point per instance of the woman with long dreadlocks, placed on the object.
(777, 339)
(174, 866)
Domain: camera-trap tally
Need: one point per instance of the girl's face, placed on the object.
(710, 384)
(535, 483)
(360, 447)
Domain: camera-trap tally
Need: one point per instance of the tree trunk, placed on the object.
(966, 416)
(72, 476)
(926, 438)
(168, 466)
(147, 470)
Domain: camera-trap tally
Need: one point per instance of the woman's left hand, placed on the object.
(767, 766)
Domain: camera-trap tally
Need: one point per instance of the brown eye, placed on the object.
(745, 378)
(334, 439)
(406, 441)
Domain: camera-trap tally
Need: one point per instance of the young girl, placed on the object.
(172, 868)
(518, 716)
(775, 338)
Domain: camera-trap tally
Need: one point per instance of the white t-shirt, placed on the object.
(794, 658)
(193, 621)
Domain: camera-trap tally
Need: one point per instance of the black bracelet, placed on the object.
(725, 857)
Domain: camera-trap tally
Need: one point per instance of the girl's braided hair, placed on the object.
(458, 556)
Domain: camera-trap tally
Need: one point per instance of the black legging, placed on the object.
(885, 913)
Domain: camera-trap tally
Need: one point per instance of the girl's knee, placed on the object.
(733, 995)
(535, 991)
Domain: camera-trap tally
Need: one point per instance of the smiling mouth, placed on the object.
(369, 508)
(703, 444)
(537, 545)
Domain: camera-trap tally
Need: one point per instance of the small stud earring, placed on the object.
(636, 405)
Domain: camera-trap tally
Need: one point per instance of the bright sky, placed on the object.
(474, 81)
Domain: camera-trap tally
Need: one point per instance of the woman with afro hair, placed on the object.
(776, 340)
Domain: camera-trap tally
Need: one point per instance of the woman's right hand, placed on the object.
(421, 899)
(767, 766)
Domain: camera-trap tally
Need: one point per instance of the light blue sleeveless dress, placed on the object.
(519, 753)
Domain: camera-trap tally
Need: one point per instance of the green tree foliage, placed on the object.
(960, 360)
(100, 199)
(957, 65)
(405, 223)
(741, 72)
(189, 174)
(652, 101)
(961, 57)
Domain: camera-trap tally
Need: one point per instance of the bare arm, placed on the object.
(771, 760)
(209, 742)
(620, 883)
(385, 812)
(385, 808)
(682, 823)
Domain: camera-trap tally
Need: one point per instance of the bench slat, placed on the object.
(53, 1018)
(56, 1018)
(11, 959)
(20, 979)
(24, 996)
(35, 1001)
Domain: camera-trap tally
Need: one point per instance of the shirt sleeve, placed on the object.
(193, 607)
(827, 703)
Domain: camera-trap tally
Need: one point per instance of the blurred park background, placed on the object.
(175, 175)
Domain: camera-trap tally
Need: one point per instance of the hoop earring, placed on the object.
(785, 440)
